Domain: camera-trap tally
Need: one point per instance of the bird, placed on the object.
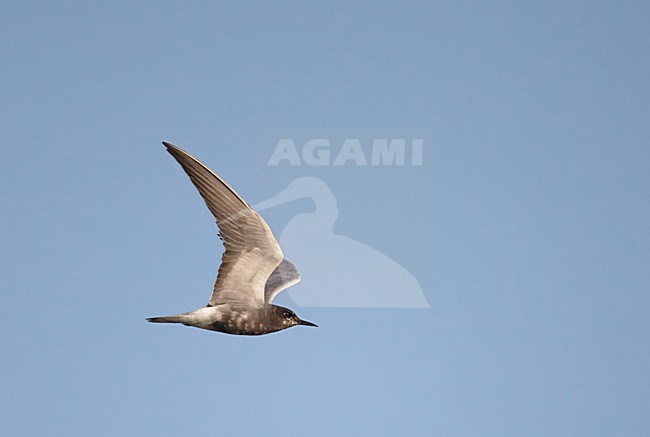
(253, 269)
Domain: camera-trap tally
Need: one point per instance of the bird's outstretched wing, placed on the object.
(251, 254)
(284, 276)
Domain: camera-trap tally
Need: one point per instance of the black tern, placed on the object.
(252, 271)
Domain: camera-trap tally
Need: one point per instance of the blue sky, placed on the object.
(527, 227)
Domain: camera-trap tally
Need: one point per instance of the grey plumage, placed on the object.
(165, 319)
(252, 271)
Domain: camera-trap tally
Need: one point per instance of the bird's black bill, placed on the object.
(306, 323)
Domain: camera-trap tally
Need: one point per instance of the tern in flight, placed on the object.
(252, 271)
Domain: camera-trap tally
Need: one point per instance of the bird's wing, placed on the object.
(284, 276)
(252, 252)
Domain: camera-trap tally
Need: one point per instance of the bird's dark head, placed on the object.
(288, 318)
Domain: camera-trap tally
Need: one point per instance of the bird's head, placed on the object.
(288, 318)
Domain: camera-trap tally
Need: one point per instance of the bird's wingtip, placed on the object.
(173, 150)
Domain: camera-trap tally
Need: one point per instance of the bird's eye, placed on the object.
(287, 315)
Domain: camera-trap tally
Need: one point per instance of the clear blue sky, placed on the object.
(529, 230)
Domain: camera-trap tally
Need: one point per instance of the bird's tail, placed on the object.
(166, 319)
